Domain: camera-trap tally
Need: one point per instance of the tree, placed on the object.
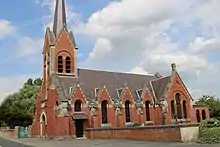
(29, 82)
(18, 108)
(213, 103)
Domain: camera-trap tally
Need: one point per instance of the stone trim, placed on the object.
(129, 124)
(145, 127)
(108, 125)
(149, 122)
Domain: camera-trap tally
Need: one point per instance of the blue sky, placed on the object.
(127, 35)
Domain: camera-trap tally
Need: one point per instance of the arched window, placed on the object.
(60, 64)
(173, 109)
(104, 112)
(77, 106)
(178, 105)
(147, 108)
(68, 65)
(198, 116)
(184, 109)
(127, 112)
(203, 115)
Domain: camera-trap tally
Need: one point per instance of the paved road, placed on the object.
(106, 143)
(7, 143)
(91, 143)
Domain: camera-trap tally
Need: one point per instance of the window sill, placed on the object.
(183, 120)
(106, 125)
(149, 122)
(129, 124)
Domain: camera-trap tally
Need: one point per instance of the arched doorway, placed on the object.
(203, 115)
(43, 125)
(198, 116)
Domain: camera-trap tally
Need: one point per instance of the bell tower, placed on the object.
(64, 51)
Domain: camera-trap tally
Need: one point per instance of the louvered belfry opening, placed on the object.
(60, 64)
(68, 64)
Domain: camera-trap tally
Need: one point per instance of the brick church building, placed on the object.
(73, 100)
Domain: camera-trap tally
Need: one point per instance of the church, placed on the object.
(74, 102)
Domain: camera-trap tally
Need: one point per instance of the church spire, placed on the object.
(59, 17)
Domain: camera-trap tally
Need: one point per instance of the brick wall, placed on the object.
(10, 132)
(200, 109)
(166, 133)
(157, 133)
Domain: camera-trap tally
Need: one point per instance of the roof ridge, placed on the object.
(154, 80)
(115, 72)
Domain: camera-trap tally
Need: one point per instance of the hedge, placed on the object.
(209, 132)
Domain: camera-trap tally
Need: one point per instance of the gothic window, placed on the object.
(203, 115)
(77, 106)
(127, 111)
(104, 112)
(147, 108)
(139, 93)
(178, 105)
(60, 64)
(119, 92)
(96, 92)
(198, 116)
(68, 65)
(184, 109)
(173, 108)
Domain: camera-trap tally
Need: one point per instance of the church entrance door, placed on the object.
(79, 128)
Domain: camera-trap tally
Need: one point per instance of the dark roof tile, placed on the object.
(91, 79)
(159, 86)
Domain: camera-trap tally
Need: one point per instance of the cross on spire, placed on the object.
(59, 17)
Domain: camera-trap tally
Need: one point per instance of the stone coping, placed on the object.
(144, 127)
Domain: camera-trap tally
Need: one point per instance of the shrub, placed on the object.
(209, 132)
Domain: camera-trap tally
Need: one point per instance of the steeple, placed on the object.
(59, 17)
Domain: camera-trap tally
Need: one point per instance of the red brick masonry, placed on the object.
(165, 133)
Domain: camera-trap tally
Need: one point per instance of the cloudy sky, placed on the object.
(139, 36)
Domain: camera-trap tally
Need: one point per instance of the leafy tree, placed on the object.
(38, 81)
(213, 103)
(18, 108)
(29, 82)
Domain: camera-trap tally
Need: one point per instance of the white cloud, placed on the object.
(6, 28)
(202, 45)
(139, 32)
(102, 48)
(29, 48)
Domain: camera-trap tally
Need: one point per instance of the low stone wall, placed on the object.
(13, 133)
(189, 133)
(165, 133)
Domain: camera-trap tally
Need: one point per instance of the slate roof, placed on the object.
(91, 79)
(159, 86)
